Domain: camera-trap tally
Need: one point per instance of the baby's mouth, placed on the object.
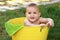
(32, 17)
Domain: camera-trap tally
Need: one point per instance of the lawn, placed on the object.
(50, 11)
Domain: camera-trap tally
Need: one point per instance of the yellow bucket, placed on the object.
(30, 32)
(16, 29)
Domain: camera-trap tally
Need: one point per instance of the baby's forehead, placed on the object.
(32, 8)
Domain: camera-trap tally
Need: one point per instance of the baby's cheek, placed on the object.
(28, 16)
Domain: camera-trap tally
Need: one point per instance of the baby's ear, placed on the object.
(26, 14)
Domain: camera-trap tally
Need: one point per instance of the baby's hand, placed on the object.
(50, 22)
(42, 25)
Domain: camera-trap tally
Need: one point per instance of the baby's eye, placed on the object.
(34, 12)
(29, 12)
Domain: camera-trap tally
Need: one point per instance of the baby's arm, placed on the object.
(48, 21)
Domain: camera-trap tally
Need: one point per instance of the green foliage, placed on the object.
(8, 38)
(43, 11)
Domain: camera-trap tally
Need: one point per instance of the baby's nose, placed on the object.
(32, 14)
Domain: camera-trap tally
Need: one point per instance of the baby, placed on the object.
(33, 17)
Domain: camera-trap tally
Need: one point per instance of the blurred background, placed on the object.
(10, 9)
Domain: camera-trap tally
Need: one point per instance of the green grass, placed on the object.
(50, 11)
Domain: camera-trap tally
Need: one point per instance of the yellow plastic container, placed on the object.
(30, 32)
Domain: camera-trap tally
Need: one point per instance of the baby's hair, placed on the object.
(32, 4)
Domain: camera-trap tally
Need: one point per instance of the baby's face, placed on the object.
(32, 14)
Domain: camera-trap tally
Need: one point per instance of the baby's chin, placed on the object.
(32, 20)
